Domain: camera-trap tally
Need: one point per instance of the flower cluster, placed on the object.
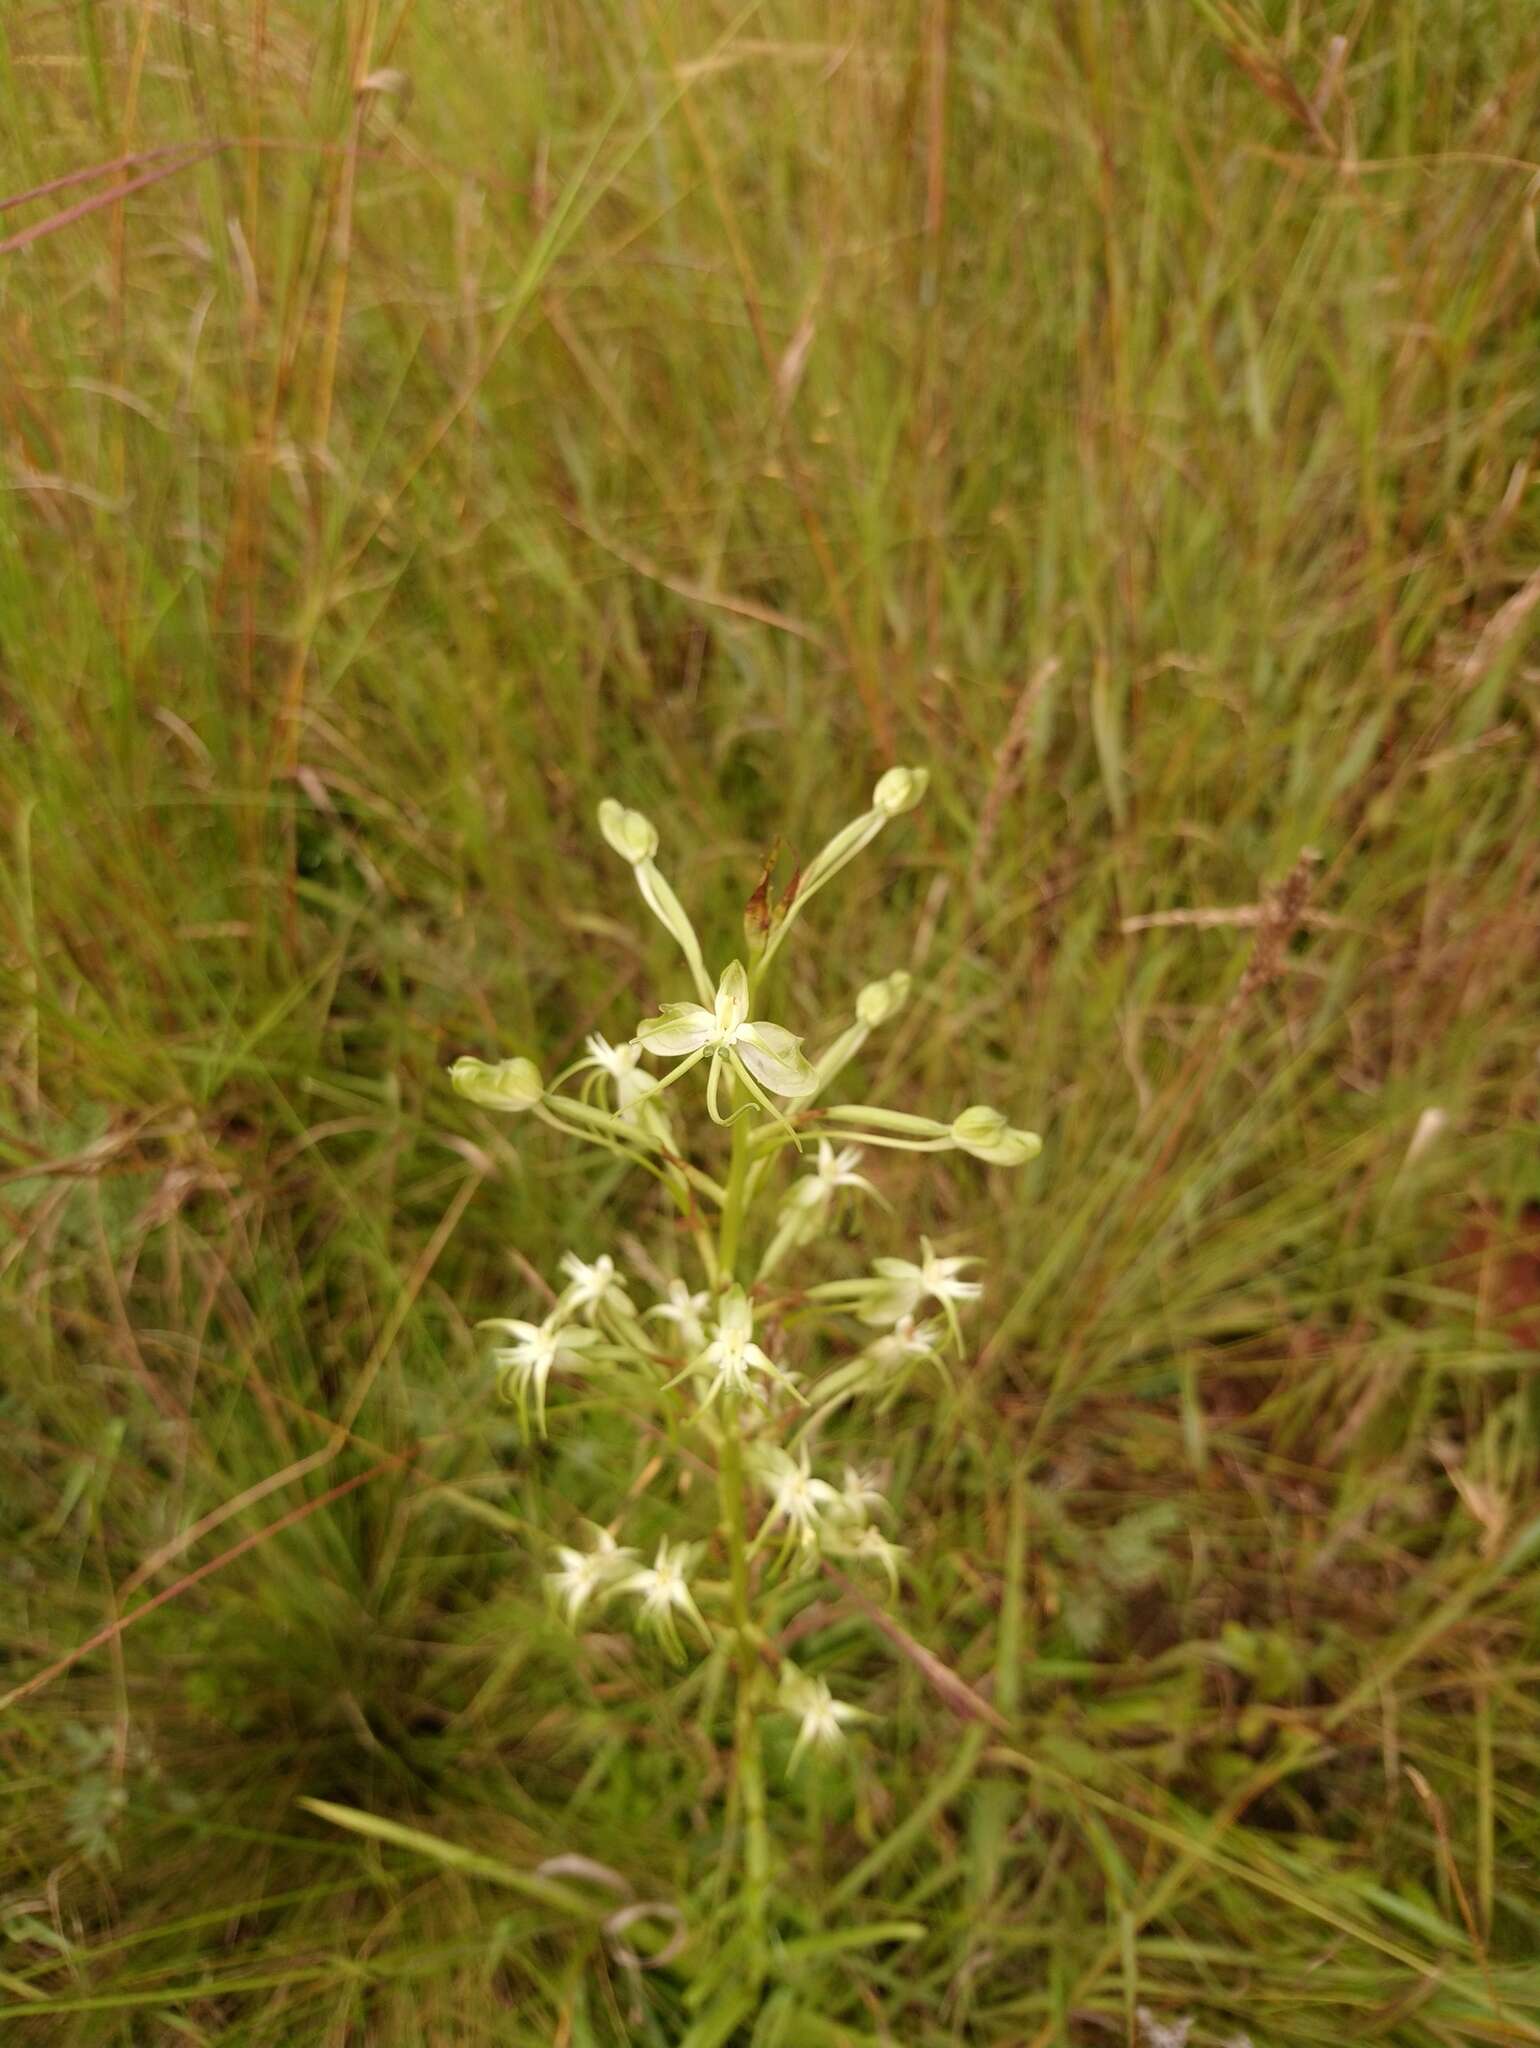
(731, 1361)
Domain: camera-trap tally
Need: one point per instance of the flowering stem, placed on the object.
(751, 1777)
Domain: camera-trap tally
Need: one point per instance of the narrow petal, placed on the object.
(511, 1327)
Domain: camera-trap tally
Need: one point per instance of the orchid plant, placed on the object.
(713, 1354)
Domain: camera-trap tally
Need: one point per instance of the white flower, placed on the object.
(821, 1715)
(797, 1497)
(664, 1591)
(882, 1367)
(591, 1288)
(860, 1495)
(757, 1052)
(687, 1312)
(908, 1339)
(622, 1064)
(510, 1084)
(868, 1545)
(985, 1134)
(834, 1170)
(732, 1357)
(905, 1284)
(582, 1574)
(528, 1362)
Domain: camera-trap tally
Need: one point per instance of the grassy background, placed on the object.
(1128, 410)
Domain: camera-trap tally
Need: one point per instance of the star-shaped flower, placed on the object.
(687, 1312)
(823, 1718)
(834, 1170)
(535, 1353)
(663, 1588)
(904, 1284)
(623, 1065)
(761, 1055)
(733, 1358)
(797, 1496)
(591, 1288)
(581, 1575)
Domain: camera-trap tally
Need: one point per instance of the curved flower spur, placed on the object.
(706, 1353)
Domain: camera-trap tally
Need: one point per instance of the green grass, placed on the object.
(1129, 411)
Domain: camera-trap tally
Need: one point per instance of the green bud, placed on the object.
(899, 791)
(631, 835)
(985, 1134)
(880, 1000)
(510, 1084)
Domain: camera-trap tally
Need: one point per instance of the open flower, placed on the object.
(663, 1588)
(591, 1288)
(835, 1170)
(908, 1340)
(687, 1313)
(797, 1496)
(904, 1284)
(535, 1353)
(868, 1545)
(623, 1065)
(583, 1575)
(761, 1055)
(733, 1358)
(861, 1496)
(822, 1717)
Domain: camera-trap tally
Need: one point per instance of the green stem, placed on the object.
(731, 1231)
(751, 1776)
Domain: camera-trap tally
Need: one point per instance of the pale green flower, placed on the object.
(797, 1496)
(805, 1206)
(860, 1496)
(908, 1340)
(733, 1358)
(584, 1575)
(663, 1588)
(868, 1545)
(905, 1283)
(623, 1065)
(883, 1367)
(591, 1288)
(823, 1718)
(760, 1054)
(814, 1191)
(687, 1312)
(509, 1084)
(535, 1353)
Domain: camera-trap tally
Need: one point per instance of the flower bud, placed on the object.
(985, 1134)
(880, 1000)
(510, 1084)
(899, 791)
(631, 835)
